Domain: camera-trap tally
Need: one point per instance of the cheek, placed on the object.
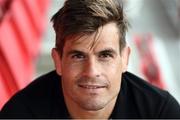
(113, 71)
(68, 79)
(70, 72)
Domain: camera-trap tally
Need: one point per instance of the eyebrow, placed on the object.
(74, 52)
(108, 50)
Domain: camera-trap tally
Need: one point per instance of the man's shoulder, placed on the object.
(147, 99)
(38, 98)
(141, 86)
(42, 84)
(46, 78)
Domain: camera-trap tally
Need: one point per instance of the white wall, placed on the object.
(151, 17)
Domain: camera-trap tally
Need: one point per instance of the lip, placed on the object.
(92, 86)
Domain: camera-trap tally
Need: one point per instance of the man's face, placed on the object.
(91, 68)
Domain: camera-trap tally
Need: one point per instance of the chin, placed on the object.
(93, 105)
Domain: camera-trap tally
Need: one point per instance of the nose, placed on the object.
(91, 68)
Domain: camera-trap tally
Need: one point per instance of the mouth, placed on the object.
(92, 86)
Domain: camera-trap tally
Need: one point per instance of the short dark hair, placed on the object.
(86, 16)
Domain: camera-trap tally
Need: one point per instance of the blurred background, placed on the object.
(27, 37)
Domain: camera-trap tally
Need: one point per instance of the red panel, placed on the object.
(26, 32)
(8, 79)
(4, 93)
(20, 33)
(43, 5)
(14, 56)
(37, 17)
(148, 64)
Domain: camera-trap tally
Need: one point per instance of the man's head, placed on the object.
(82, 17)
(91, 53)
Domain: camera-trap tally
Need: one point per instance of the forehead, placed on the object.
(106, 36)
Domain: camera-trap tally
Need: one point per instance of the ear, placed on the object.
(57, 61)
(125, 58)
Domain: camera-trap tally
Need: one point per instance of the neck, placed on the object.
(77, 112)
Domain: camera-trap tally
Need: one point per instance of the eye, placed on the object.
(105, 56)
(78, 56)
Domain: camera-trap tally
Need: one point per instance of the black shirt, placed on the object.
(43, 98)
